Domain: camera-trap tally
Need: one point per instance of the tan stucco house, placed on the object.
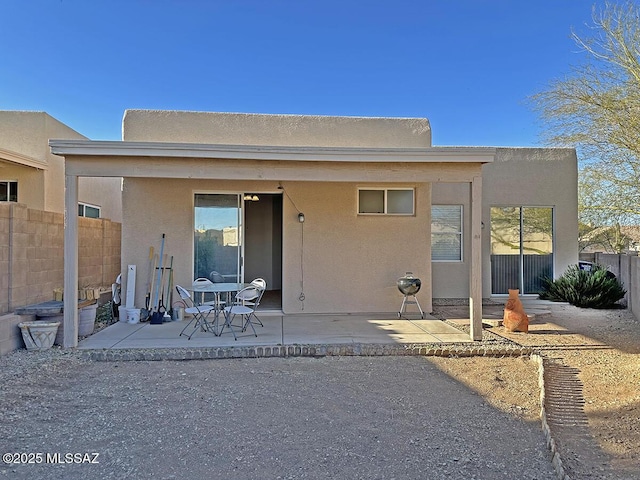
(31, 175)
(377, 200)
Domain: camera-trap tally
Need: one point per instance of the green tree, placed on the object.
(608, 238)
(597, 110)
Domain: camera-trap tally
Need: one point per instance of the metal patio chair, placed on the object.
(261, 283)
(199, 312)
(244, 306)
(204, 282)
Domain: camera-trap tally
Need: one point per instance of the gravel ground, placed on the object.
(601, 349)
(360, 417)
(331, 417)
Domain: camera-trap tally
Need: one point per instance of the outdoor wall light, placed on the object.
(301, 217)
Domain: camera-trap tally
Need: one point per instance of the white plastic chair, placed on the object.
(199, 312)
(244, 306)
(203, 282)
(261, 283)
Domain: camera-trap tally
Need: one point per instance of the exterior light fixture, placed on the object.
(301, 217)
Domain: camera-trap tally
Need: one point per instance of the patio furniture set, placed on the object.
(243, 305)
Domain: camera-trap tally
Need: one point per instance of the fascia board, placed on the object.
(267, 152)
(20, 159)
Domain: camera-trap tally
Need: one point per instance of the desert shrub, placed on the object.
(596, 288)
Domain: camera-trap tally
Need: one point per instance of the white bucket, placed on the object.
(178, 314)
(133, 315)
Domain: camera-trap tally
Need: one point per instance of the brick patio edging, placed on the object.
(556, 460)
(322, 350)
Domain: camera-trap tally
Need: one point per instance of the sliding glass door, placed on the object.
(521, 248)
(218, 237)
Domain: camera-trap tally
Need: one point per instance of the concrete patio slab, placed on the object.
(281, 330)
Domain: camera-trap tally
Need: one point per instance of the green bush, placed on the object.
(597, 288)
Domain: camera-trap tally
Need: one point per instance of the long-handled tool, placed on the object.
(162, 306)
(169, 296)
(152, 288)
(157, 316)
(145, 312)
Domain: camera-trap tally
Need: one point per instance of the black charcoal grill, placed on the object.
(409, 286)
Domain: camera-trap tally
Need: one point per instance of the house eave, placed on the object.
(92, 148)
(23, 160)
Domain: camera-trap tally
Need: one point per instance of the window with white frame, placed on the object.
(89, 211)
(8, 191)
(386, 201)
(446, 233)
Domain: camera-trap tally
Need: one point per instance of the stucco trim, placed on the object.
(280, 153)
(20, 159)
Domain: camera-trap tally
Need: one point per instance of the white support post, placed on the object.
(475, 270)
(70, 338)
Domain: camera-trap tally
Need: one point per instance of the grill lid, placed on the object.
(409, 285)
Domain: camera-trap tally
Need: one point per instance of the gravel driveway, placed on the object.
(332, 417)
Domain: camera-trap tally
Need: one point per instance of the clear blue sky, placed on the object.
(466, 65)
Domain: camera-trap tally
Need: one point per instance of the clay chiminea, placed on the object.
(515, 319)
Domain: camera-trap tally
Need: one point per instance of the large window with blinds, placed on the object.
(446, 233)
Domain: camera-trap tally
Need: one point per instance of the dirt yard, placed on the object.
(603, 347)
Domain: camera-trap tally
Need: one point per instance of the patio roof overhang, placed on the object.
(263, 162)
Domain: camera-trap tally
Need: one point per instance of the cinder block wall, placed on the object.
(32, 261)
(10, 334)
(32, 254)
(627, 269)
(634, 288)
(98, 252)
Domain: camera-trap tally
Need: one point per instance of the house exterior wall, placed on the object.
(545, 177)
(451, 279)
(281, 130)
(348, 262)
(28, 134)
(103, 192)
(30, 183)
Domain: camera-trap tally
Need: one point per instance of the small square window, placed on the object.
(8, 191)
(384, 201)
(88, 211)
